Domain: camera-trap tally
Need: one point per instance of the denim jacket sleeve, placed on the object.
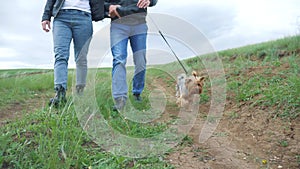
(48, 10)
(153, 3)
(130, 9)
(97, 9)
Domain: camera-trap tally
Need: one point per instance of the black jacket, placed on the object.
(134, 15)
(52, 8)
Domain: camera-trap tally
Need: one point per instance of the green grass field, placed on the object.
(265, 75)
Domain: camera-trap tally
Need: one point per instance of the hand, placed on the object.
(113, 11)
(46, 25)
(143, 3)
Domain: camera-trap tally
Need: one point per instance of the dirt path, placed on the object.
(242, 142)
(218, 152)
(16, 110)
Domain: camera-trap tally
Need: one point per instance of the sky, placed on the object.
(225, 23)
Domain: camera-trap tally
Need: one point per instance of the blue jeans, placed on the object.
(77, 25)
(120, 34)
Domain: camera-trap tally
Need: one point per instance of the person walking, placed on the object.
(72, 21)
(128, 23)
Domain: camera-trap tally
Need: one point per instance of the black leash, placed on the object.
(161, 34)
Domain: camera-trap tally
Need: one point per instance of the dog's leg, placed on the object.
(177, 90)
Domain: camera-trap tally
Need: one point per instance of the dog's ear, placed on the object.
(202, 78)
(195, 74)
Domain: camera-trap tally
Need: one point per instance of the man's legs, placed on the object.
(138, 46)
(67, 25)
(119, 41)
(82, 33)
(62, 36)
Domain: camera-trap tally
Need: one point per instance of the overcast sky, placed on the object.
(225, 23)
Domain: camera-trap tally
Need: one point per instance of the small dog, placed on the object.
(186, 87)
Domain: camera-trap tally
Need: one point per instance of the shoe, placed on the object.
(79, 89)
(59, 98)
(120, 103)
(137, 97)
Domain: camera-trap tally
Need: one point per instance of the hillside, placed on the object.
(259, 127)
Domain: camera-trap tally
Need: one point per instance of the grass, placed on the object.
(54, 138)
(269, 81)
(19, 88)
(21, 72)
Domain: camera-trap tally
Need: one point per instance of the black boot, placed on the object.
(79, 89)
(59, 98)
(137, 97)
(120, 103)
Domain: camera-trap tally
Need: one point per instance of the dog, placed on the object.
(186, 87)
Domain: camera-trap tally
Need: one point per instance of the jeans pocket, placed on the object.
(87, 14)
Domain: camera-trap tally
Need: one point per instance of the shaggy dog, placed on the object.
(186, 87)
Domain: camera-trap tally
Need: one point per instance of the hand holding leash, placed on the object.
(113, 11)
(143, 3)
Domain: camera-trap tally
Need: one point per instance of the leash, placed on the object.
(162, 35)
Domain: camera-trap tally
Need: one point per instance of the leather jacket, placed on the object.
(128, 8)
(52, 8)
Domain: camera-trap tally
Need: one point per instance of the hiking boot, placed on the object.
(59, 98)
(137, 97)
(119, 104)
(79, 89)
